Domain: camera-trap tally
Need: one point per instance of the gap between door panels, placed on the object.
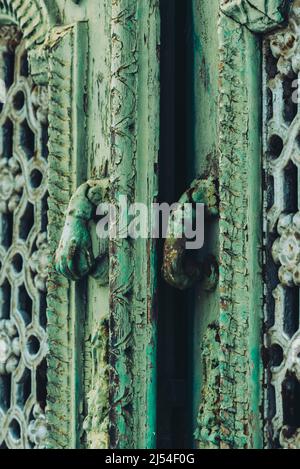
(174, 399)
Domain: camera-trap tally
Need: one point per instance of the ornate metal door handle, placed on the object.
(181, 270)
(74, 257)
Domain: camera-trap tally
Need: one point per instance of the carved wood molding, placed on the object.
(53, 51)
(66, 140)
(60, 144)
(257, 15)
(281, 67)
(23, 339)
(34, 17)
(229, 415)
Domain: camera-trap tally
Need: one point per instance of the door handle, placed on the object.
(74, 257)
(180, 268)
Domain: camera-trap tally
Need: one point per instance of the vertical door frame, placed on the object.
(58, 59)
(57, 56)
(231, 414)
(66, 51)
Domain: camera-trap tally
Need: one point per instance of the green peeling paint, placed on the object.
(100, 62)
(231, 393)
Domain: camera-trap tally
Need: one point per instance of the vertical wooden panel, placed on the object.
(229, 415)
(134, 138)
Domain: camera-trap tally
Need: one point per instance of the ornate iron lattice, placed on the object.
(282, 233)
(23, 248)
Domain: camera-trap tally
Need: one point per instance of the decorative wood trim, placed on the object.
(230, 410)
(281, 120)
(230, 414)
(58, 58)
(60, 145)
(34, 17)
(257, 15)
(241, 288)
(67, 50)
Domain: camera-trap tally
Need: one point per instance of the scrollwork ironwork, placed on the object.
(23, 250)
(282, 233)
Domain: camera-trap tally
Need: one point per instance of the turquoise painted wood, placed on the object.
(103, 124)
(228, 324)
(100, 62)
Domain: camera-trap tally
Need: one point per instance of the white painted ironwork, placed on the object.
(282, 233)
(23, 248)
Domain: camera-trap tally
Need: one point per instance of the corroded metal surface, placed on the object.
(24, 251)
(281, 161)
(179, 270)
(74, 256)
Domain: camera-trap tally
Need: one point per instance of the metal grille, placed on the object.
(282, 233)
(23, 248)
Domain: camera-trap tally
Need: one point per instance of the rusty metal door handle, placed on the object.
(181, 270)
(74, 257)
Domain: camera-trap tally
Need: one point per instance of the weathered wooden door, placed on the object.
(245, 74)
(79, 91)
(149, 100)
(229, 348)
